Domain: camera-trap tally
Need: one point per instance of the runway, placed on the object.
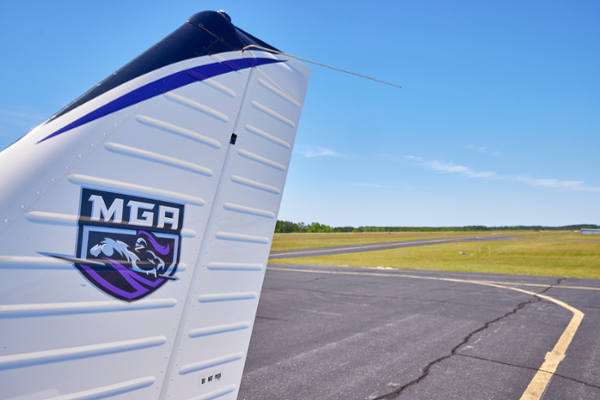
(326, 251)
(356, 333)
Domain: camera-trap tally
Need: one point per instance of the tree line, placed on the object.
(315, 227)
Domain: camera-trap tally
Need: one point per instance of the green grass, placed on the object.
(564, 236)
(295, 241)
(568, 259)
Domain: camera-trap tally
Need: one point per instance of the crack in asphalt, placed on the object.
(425, 371)
(319, 278)
(526, 367)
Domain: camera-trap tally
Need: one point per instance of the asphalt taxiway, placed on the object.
(359, 248)
(356, 333)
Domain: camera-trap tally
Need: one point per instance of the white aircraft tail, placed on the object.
(136, 223)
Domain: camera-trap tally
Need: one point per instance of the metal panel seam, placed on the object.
(191, 298)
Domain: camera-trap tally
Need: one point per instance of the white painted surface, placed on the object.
(62, 337)
(255, 184)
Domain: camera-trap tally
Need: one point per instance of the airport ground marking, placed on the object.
(538, 384)
(414, 243)
(366, 246)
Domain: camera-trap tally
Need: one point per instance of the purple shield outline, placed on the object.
(119, 277)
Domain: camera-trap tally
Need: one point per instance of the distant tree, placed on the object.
(291, 227)
(316, 227)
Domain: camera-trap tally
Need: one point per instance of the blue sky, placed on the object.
(497, 123)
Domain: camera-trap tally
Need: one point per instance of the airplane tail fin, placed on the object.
(136, 223)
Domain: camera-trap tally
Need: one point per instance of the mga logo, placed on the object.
(127, 246)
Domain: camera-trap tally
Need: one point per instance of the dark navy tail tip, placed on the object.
(223, 13)
(209, 18)
(207, 32)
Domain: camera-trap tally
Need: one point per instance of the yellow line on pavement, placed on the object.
(496, 282)
(538, 384)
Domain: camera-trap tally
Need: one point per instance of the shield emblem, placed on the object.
(128, 246)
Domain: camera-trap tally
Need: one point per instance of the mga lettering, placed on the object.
(162, 216)
(134, 214)
(99, 208)
(112, 208)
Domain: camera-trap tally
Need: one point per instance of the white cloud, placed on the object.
(482, 149)
(317, 151)
(556, 184)
(450, 168)
(20, 118)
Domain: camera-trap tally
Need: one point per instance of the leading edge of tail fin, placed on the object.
(136, 223)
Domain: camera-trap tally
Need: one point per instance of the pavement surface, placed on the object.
(356, 333)
(359, 248)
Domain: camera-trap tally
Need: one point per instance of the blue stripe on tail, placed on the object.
(164, 85)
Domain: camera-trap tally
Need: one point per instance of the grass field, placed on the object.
(565, 236)
(295, 241)
(574, 257)
(291, 241)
